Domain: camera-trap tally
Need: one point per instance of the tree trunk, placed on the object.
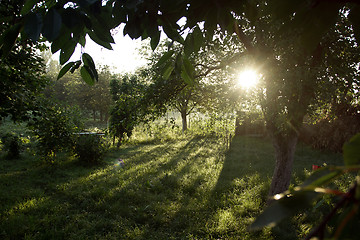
(184, 121)
(94, 115)
(284, 153)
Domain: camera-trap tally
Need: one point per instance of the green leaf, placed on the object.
(94, 37)
(284, 207)
(82, 40)
(168, 70)
(187, 72)
(75, 66)
(87, 75)
(66, 51)
(164, 58)
(65, 36)
(89, 63)
(33, 25)
(171, 30)
(119, 13)
(8, 39)
(65, 69)
(188, 67)
(320, 177)
(87, 60)
(351, 151)
(154, 42)
(28, 5)
(189, 44)
(52, 24)
(198, 39)
(102, 32)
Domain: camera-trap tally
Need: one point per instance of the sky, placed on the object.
(123, 58)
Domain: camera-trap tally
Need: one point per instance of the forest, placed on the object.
(244, 123)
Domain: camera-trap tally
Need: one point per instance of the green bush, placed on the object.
(90, 148)
(12, 145)
(54, 129)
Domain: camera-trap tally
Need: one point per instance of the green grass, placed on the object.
(186, 188)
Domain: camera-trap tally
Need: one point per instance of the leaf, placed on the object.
(8, 39)
(89, 62)
(28, 5)
(351, 151)
(282, 208)
(198, 39)
(171, 31)
(320, 177)
(102, 32)
(164, 58)
(168, 70)
(71, 17)
(33, 25)
(66, 51)
(52, 24)
(65, 36)
(119, 13)
(82, 40)
(94, 37)
(75, 66)
(154, 42)
(189, 44)
(188, 67)
(187, 79)
(65, 69)
(87, 76)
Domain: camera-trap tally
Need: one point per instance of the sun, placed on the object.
(248, 79)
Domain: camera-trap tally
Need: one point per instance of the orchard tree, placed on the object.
(126, 112)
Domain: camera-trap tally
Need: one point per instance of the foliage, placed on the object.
(300, 198)
(127, 111)
(54, 129)
(12, 145)
(70, 90)
(90, 148)
(21, 71)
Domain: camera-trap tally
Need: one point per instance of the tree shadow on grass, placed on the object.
(246, 156)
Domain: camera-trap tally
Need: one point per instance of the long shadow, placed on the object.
(246, 156)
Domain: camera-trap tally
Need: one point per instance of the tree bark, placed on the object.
(285, 147)
(184, 121)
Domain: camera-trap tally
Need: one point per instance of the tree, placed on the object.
(263, 28)
(126, 112)
(21, 72)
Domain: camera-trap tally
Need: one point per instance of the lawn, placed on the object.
(187, 188)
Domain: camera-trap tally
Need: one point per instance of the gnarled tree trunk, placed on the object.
(184, 120)
(285, 147)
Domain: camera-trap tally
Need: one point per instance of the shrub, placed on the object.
(54, 129)
(90, 148)
(12, 145)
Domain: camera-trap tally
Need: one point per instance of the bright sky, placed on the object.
(123, 58)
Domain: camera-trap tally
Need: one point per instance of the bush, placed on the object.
(90, 148)
(12, 145)
(54, 129)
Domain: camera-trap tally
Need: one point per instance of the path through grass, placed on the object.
(185, 189)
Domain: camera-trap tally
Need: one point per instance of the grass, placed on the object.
(186, 188)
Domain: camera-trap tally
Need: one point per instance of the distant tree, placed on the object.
(126, 112)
